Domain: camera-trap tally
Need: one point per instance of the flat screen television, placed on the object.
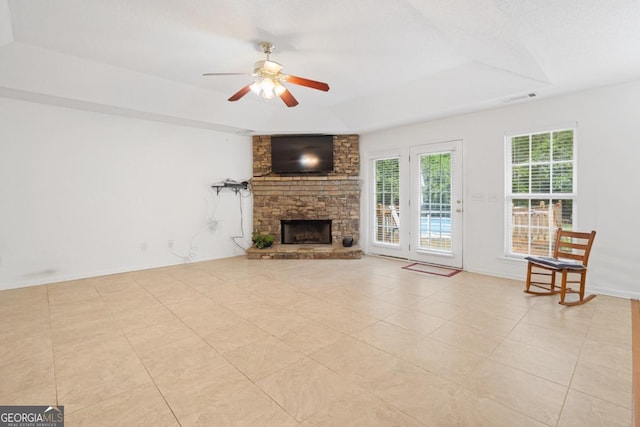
(302, 154)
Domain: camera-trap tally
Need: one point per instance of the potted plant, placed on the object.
(262, 240)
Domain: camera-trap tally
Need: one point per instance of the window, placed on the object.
(540, 190)
(387, 199)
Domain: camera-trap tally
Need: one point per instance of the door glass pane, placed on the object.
(435, 202)
(387, 216)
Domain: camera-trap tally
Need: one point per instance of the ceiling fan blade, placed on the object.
(226, 74)
(308, 83)
(239, 94)
(288, 99)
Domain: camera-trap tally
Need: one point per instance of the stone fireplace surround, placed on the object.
(334, 196)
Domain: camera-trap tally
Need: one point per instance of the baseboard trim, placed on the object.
(612, 292)
(635, 351)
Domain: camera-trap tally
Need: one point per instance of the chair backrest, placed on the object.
(573, 245)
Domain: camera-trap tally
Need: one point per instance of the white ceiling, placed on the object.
(387, 62)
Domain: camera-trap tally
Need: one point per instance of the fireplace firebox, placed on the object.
(303, 231)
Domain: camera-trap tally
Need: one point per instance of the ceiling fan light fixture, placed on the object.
(255, 88)
(278, 88)
(266, 87)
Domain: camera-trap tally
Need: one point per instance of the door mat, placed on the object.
(432, 269)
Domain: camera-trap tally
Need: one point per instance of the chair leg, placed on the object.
(563, 286)
(549, 286)
(528, 284)
(583, 281)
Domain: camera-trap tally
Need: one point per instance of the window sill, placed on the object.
(513, 258)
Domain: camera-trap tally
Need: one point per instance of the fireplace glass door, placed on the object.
(305, 231)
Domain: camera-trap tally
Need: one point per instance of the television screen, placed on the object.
(302, 154)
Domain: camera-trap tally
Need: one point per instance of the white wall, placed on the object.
(85, 194)
(608, 123)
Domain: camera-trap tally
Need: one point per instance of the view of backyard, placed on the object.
(542, 190)
(434, 231)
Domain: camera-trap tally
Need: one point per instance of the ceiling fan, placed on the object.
(269, 79)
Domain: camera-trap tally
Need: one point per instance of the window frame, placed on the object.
(510, 196)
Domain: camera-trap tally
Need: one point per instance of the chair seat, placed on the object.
(558, 264)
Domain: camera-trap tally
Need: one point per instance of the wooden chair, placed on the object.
(570, 257)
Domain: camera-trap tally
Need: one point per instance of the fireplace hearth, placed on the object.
(305, 231)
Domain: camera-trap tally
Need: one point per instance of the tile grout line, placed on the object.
(575, 368)
(53, 357)
(255, 383)
(126, 337)
(635, 351)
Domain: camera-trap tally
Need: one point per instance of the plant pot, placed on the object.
(261, 240)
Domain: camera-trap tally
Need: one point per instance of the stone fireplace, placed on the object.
(335, 197)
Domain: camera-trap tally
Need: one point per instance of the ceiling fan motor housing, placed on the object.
(266, 68)
(267, 48)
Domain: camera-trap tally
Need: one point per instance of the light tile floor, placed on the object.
(235, 342)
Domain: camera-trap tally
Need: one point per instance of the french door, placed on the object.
(436, 204)
(417, 204)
